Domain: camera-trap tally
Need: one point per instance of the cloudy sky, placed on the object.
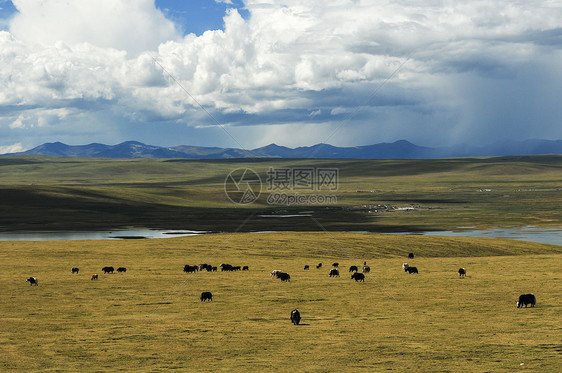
(247, 73)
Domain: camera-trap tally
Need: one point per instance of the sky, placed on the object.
(248, 73)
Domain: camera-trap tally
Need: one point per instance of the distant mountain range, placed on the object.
(397, 150)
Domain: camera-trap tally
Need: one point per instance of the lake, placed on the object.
(542, 235)
(96, 235)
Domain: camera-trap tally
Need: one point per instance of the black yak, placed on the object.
(334, 272)
(188, 269)
(358, 277)
(295, 317)
(108, 269)
(525, 299)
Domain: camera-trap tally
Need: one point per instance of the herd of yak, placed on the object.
(524, 299)
(76, 270)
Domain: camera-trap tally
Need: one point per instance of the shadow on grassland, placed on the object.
(46, 209)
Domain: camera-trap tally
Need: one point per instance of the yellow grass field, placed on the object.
(150, 319)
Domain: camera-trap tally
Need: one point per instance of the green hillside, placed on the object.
(90, 193)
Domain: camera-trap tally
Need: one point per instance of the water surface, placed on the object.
(541, 235)
(96, 235)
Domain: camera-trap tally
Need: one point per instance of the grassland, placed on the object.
(150, 318)
(83, 193)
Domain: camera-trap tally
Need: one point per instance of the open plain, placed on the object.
(151, 319)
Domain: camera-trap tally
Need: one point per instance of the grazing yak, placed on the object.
(32, 281)
(334, 272)
(366, 269)
(525, 299)
(319, 266)
(121, 269)
(188, 269)
(203, 266)
(411, 270)
(108, 269)
(295, 317)
(306, 267)
(206, 295)
(336, 264)
(74, 270)
(94, 276)
(284, 276)
(353, 269)
(226, 267)
(411, 256)
(245, 268)
(358, 277)
(462, 272)
(275, 273)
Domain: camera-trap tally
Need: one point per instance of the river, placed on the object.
(542, 235)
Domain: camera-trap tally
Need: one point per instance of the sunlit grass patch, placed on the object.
(151, 318)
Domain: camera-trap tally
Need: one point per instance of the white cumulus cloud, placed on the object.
(371, 71)
(131, 25)
(14, 148)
